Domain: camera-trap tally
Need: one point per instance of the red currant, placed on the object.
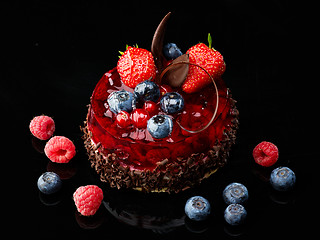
(123, 119)
(151, 107)
(140, 118)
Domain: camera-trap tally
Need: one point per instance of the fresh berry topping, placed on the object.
(265, 154)
(235, 214)
(42, 127)
(235, 193)
(136, 65)
(147, 90)
(172, 102)
(150, 107)
(208, 58)
(88, 199)
(123, 119)
(60, 149)
(160, 126)
(121, 101)
(282, 179)
(197, 208)
(140, 118)
(171, 51)
(49, 183)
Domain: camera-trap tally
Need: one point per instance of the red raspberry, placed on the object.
(42, 127)
(88, 199)
(60, 149)
(265, 154)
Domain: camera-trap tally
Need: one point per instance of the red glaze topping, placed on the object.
(134, 145)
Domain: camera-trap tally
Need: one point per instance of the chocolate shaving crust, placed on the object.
(176, 176)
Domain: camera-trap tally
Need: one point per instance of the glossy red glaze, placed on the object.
(136, 148)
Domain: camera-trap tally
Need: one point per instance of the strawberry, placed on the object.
(136, 65)
(208, 58)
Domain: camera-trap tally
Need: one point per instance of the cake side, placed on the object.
(173, 176)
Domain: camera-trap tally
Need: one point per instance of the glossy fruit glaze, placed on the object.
(136, 148)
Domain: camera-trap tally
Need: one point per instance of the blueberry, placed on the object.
(147, 90)
(235, 214)
(49, 182)
(235, 193)
(197, 208)
(160, 126)
(282, 179)
(172, 102)
(121, 101)
(171, 51)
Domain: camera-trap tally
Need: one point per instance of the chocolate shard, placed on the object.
(157, 42)
(177, 71)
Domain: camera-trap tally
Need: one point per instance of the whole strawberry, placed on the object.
(208, 58)
(136, 65)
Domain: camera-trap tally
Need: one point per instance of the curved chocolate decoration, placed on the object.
(178, 73)
(157, 42)
(215, 86)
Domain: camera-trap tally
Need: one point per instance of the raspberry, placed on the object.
(88, 199)
(265, 154)
(42, 127)
(60, 149)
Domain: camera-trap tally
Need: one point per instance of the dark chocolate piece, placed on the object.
(176, 74)
(157, 42)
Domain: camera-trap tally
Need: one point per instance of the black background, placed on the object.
(55, 53)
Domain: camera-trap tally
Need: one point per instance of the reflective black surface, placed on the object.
(56, 52)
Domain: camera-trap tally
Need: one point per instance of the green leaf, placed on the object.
(209, 40)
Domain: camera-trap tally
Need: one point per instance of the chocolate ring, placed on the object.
(215, 86)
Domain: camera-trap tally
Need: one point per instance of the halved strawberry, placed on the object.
(208, 58)
(136, 65)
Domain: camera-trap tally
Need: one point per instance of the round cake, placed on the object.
(159, 122)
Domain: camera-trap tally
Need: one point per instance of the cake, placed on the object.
(166, 127)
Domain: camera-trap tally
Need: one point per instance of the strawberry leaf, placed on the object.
(209, 40)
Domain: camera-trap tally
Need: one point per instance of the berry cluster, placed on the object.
(145, 109)
(60, 149)
(198, 208)
(235, 195)
(137, 69)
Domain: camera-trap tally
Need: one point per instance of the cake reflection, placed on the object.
(156, 212)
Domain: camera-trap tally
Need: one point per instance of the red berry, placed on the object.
(208, 58)
(265, 154)
(42, 127)
(88, 199)
(60, 149)
(123, 119)
(140, 118)
(136, 65)
(151, 107)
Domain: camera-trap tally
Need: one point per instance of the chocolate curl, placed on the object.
(172, 65)
(157, 42)
(178, 73)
